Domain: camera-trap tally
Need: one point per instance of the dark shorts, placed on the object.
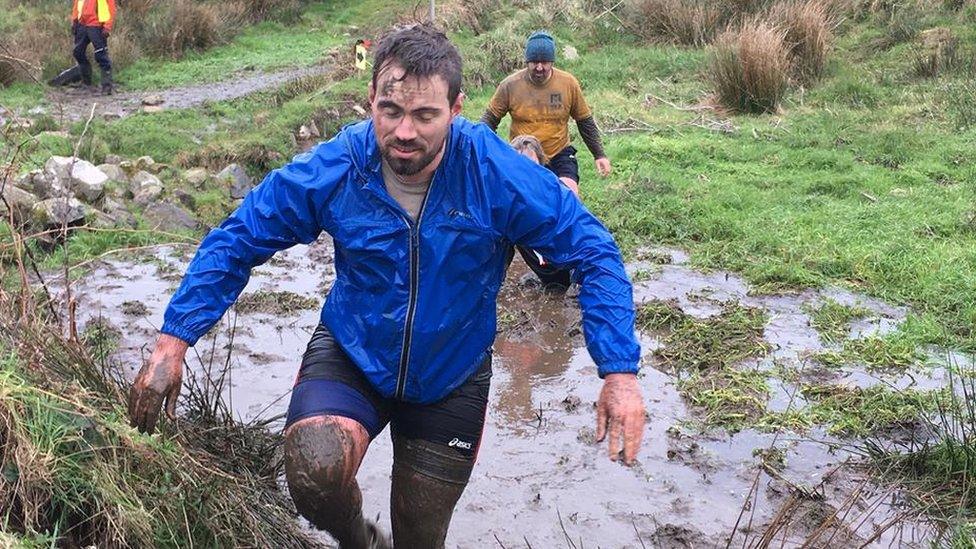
(564, 164)
(552, 278)
(330, 384)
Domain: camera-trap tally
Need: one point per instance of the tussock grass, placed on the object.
(686, 22)
(749, 68)
(809, 35)
(936, 54)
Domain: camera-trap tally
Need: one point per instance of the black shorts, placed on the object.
(564, 164)
(330, 384)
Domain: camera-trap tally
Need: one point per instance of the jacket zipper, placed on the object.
(414, 229)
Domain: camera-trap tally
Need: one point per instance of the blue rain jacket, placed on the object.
(413, 303)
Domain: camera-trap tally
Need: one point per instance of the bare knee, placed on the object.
(322, 455)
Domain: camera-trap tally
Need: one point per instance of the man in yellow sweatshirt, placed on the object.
(541, 99)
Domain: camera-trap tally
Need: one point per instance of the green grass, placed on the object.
(832, 319)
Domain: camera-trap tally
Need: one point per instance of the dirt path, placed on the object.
(75, 103)
(541, 480)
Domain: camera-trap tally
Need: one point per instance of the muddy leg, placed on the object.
(322, 456)
(427, 482)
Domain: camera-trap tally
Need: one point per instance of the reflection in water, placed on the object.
(537, 350)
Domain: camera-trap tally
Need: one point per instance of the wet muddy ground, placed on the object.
(76, 103)
(541, 480)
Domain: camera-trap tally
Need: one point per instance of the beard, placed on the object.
(409, 166)
(539, 77)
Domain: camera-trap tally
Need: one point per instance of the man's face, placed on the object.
(539, 71)
(411, 117)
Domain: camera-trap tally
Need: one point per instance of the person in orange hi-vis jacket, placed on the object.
(91, 23)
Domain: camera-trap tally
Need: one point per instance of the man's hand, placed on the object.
(603, 166)
(105, 32)
(620, 410)
(159, 379)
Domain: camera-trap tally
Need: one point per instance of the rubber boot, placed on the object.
(108, 86)
(86, 75)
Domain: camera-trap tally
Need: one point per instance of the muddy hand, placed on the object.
(620, 411)
(159, 380)
(603, 166)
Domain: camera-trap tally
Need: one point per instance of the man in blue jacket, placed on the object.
(422, 206)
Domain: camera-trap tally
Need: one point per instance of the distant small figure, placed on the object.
(91, 23)
(553, 279)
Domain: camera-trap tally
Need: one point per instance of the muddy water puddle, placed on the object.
(541, 480)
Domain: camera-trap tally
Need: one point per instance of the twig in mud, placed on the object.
(637, 533)
(500, 544)
(527, 544)
(565, 533)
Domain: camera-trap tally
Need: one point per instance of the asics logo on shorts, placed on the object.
(456, 443)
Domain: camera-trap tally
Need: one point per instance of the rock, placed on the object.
(21, 202)
(185, 198)
(48, 185)
(240, 182)
(114, 172)
(309, 131)
(169, 217)
(128, 167)
(147, 195)
(570, 53)
(37, 111)
(60, 166)
(144, 180)
(87, 181)
(359, 110)
(59, 212)
(101, 220)
(119, 213)
(26, 181)
(110, 116)
(144, 163)
(152, 100)
(113, 159)
(196, 176)
(152, 108)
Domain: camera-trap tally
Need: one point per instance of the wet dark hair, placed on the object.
(423, 51)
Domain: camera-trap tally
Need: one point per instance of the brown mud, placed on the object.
(541, 480)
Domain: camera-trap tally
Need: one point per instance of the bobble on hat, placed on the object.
(540, 47)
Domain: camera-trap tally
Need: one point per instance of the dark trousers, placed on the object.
(85, 35)
(553, 279)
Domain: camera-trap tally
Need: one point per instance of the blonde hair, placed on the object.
(530, 143)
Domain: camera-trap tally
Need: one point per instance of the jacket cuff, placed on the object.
(619, 367)
(175, 330)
